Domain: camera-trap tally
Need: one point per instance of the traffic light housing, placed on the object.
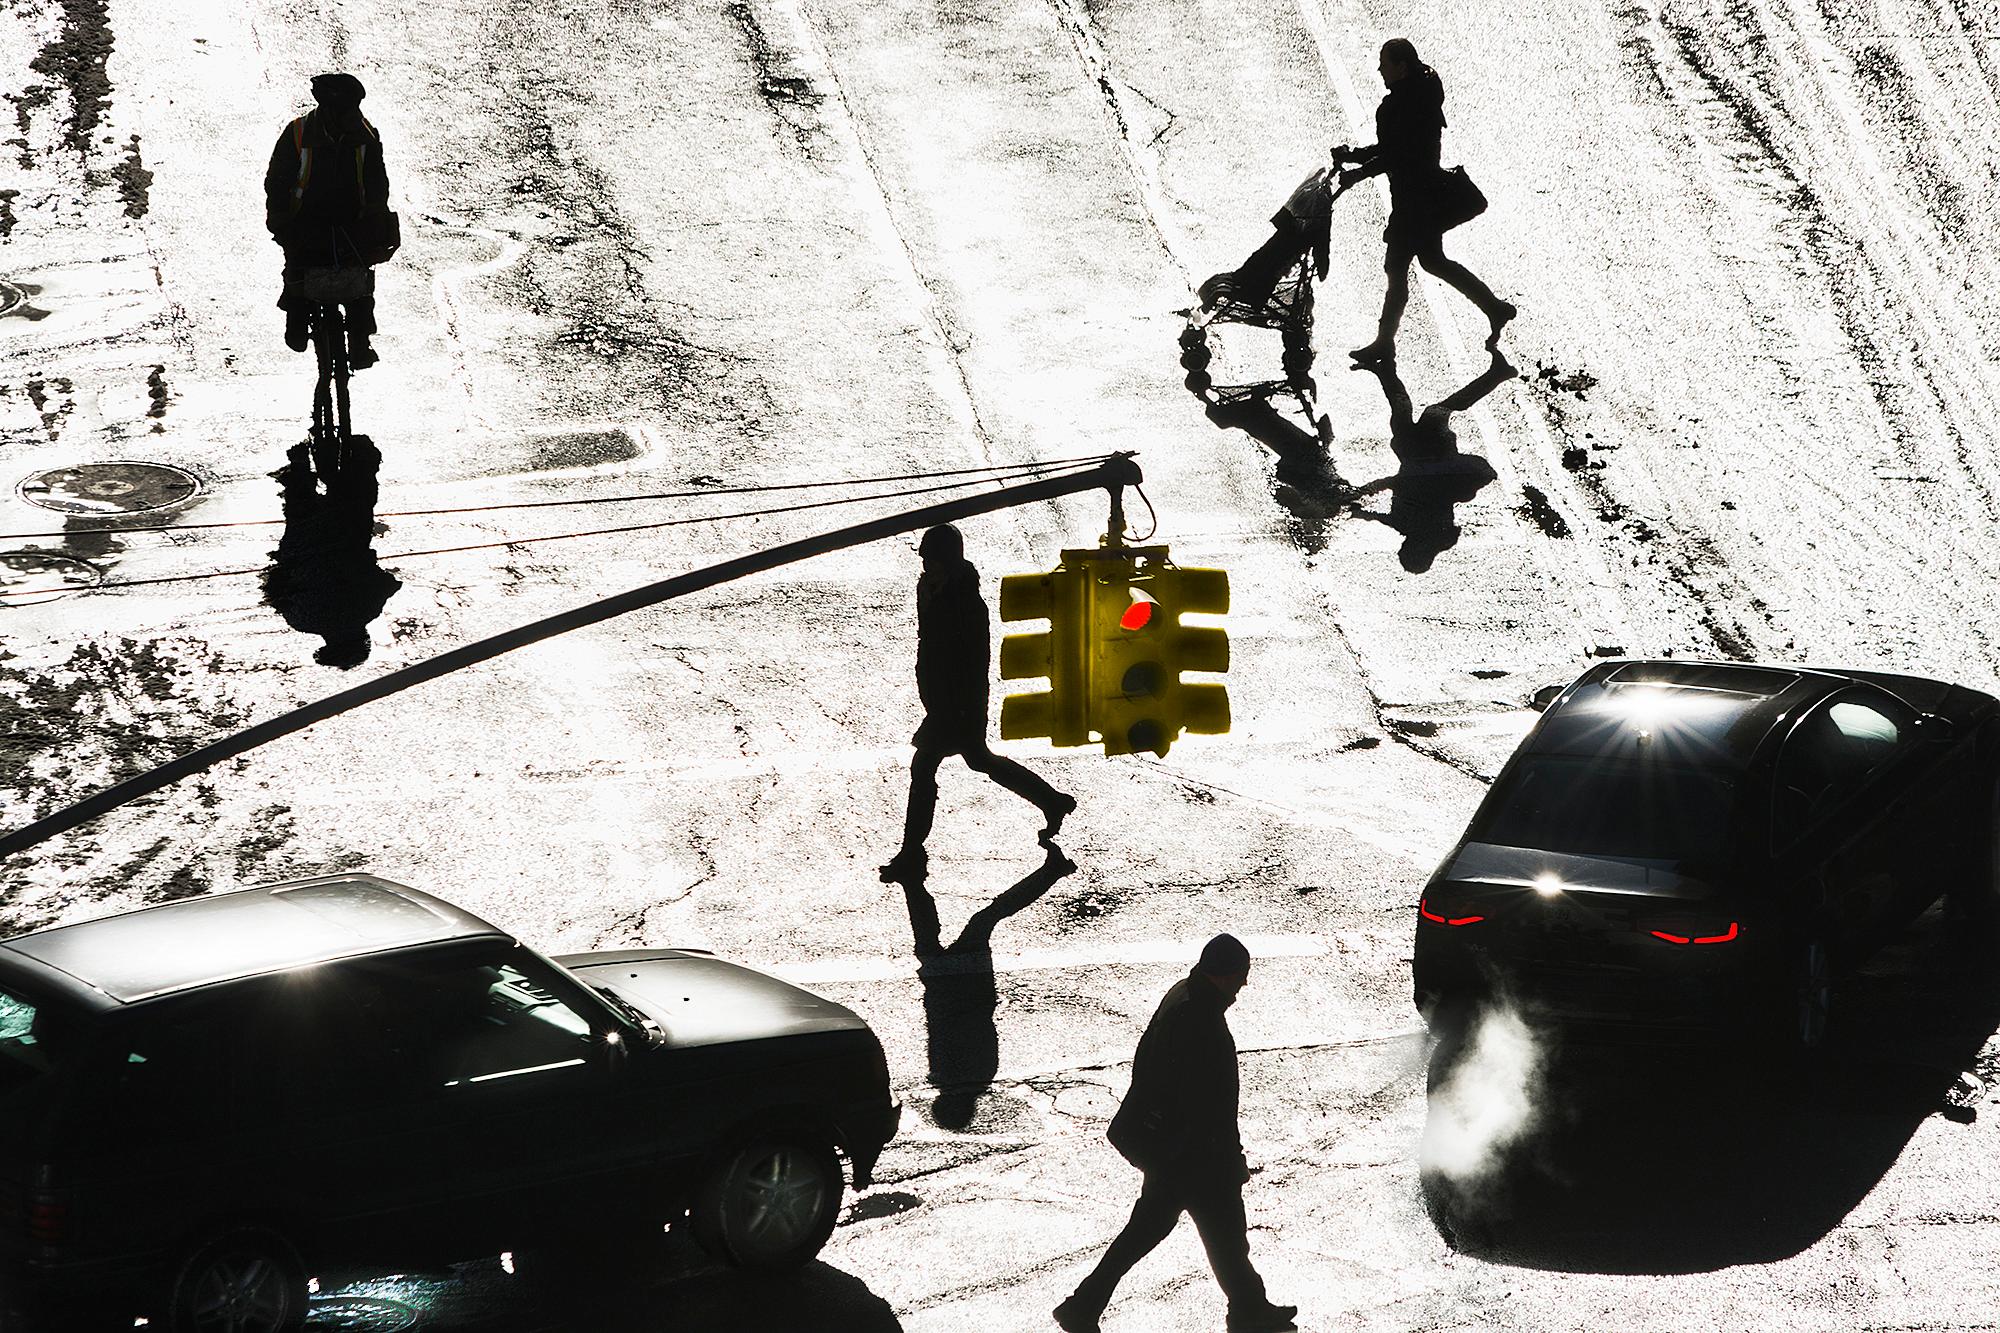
(1058, 653)
(1115, 650)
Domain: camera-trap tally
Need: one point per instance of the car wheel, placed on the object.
(1976, 896)
(769, 1204)
(241, 1280)
(1812, 996)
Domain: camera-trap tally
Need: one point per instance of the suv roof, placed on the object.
(221, 937)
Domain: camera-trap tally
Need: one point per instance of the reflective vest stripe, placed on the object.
(304, 151)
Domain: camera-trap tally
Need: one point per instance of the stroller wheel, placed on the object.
(1197, 381)
(1196, 357)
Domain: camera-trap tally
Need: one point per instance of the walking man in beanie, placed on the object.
(1178, 1126)
(326, 201)
(954, 670)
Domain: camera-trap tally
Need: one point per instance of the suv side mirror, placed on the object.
(1932, 727)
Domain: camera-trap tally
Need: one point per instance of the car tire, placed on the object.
(239, 1279)
(769, 1204)
(1975, 897)
(1811, 995)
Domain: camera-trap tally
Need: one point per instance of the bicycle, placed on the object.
(326, 325)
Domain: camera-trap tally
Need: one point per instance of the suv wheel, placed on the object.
(1812, 996)
(1975, 897)
(240, 1280)
(769, 1204)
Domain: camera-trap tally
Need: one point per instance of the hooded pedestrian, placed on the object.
(954, 680)
(1177, 1124)
(326, 202)
(1409, 128)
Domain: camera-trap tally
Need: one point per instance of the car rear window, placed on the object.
(32, 1047)
(1599, 807)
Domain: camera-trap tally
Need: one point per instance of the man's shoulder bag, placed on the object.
(1144, 1135)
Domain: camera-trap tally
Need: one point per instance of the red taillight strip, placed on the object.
(1723, 938)
(1424, 910)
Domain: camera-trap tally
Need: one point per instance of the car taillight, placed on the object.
(1697, 934)
(48, 1219)
(1424, 911)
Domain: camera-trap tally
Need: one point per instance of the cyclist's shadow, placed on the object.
(324, 578)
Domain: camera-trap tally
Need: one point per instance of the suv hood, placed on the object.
(699, 1000)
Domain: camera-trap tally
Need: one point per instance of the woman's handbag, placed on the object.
(1458, 200)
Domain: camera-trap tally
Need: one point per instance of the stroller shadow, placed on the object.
(324, 578)
(961, 994)
(1432, 477)
(1305, 481)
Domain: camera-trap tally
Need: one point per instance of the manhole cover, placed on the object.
(109, 488)
(11, 297)
(359, 1314)
(27, 577)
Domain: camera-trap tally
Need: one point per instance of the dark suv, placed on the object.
(202, 1102)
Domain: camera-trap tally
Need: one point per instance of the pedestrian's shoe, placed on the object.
(1378, 353)
(1215, 286)
(909, 867)
(1055, 813)
(1500, 318)
(295, 330)
(1269, 1319)
(1073, 1316)
(360, 352)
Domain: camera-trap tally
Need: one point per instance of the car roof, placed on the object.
(1704, 714)
(197, 942)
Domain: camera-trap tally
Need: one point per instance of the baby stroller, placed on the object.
(1272, 289)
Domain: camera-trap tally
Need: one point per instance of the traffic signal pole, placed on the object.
(1116, 472)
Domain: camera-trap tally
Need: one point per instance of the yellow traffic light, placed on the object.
(1057, 653)
(1115, 650)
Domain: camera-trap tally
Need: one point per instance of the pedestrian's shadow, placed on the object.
(323, 577)
(961, 994)
(1432, 477)
(1661, 1161)
(1305, 481)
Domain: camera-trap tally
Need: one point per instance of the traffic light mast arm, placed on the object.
(1117, 471)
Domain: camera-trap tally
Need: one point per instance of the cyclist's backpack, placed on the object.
(376, 236)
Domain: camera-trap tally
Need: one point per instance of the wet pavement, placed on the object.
(682, 252)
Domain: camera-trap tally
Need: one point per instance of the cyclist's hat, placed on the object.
(337, 90)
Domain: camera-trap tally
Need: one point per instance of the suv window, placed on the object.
(492, 1022)
(34, 1044)
(1831, 753)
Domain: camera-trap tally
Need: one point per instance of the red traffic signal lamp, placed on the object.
(1136, 699)
(1115, 650)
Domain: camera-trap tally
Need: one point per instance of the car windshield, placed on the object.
(1599, 807)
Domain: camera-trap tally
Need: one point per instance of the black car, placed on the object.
(203, 1102)
(1704, 847)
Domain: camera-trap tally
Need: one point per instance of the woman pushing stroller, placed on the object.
(1425, 200)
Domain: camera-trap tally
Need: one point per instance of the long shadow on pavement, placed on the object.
(1432, 476)
(324, 578)
(961, 994)
(1687, 1161)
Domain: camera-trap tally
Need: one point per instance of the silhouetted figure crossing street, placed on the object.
(1178, 1126)
(954, 680)
(326, 201)
(1426, 201)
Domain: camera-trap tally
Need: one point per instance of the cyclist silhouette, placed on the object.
(326, 201)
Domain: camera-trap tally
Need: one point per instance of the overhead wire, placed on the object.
(1020, 472)
(1009, 468)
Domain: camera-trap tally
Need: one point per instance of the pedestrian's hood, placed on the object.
(699, 1000)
